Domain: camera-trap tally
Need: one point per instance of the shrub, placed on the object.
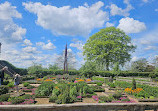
(3, 89)
(26, 84)
(28, 78)
(16, 100)
(30, 87)
(45, 89)
(117, 95)
(11, 84)
(53, 98)
(99, 83)
(97, 89)
(5, 82)
(4, 97)
(105, 99)
(111, 85)
(20, 99)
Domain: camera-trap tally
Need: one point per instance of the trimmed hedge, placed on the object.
(101, 73)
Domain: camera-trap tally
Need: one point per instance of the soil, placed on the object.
(43, 101)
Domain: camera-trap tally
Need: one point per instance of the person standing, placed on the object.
(2, 75)
(17, 81)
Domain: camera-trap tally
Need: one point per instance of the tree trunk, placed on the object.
(107, 64)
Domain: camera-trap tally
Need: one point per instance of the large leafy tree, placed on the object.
(108, 46)
(139, 65)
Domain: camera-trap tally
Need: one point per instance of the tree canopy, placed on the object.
(108, 46)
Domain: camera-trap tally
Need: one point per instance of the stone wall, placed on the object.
(83, 107)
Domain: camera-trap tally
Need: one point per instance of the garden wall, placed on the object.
(83, 107)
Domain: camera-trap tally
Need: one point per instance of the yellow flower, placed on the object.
(48, 80)
(39, 79)
(80, 80)
(88, 80)
(56, 87)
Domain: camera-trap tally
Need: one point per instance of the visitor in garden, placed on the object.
(2, 74)
(17, 81)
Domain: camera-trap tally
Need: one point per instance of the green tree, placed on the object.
(53, 67)
(35, 69)
(88, 69)
(139, 65)
(108, 46)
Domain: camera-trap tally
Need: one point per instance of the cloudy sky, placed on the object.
(37, 30)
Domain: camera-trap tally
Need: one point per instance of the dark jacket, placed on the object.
(2, 74)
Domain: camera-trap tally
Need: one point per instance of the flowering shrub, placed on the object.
(130, 91)
(95, 97)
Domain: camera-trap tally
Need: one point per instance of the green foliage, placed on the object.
(5, 82)
(16, 100)
(139, 65)
(26, 84)
(20, 71)
(11, 84)
(45, 89)
(53, 67)
(88, 69)
(53, 98)
(97, 89)
(4, 97)
(105, 99)
(147, 90)
(3, 89)
(20, 99)
(109, 45)
(111, 85)
(35, 69)
(30, 87)
(133, 84)
(25, 78)
(117, 95)
(99, 83)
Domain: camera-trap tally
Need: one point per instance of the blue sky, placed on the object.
(37, 30)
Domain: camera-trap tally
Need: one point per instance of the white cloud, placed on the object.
(151, 48)
(68, 21)
(129, 25)
(108, 24)
(7, 11)
(30, 49)
(156, 10)
(27, 42)
(134, 58)
(9, 31)
(115, 10)
(78, 44)
(48, 46)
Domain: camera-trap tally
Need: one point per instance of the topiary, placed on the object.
(133, 84)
